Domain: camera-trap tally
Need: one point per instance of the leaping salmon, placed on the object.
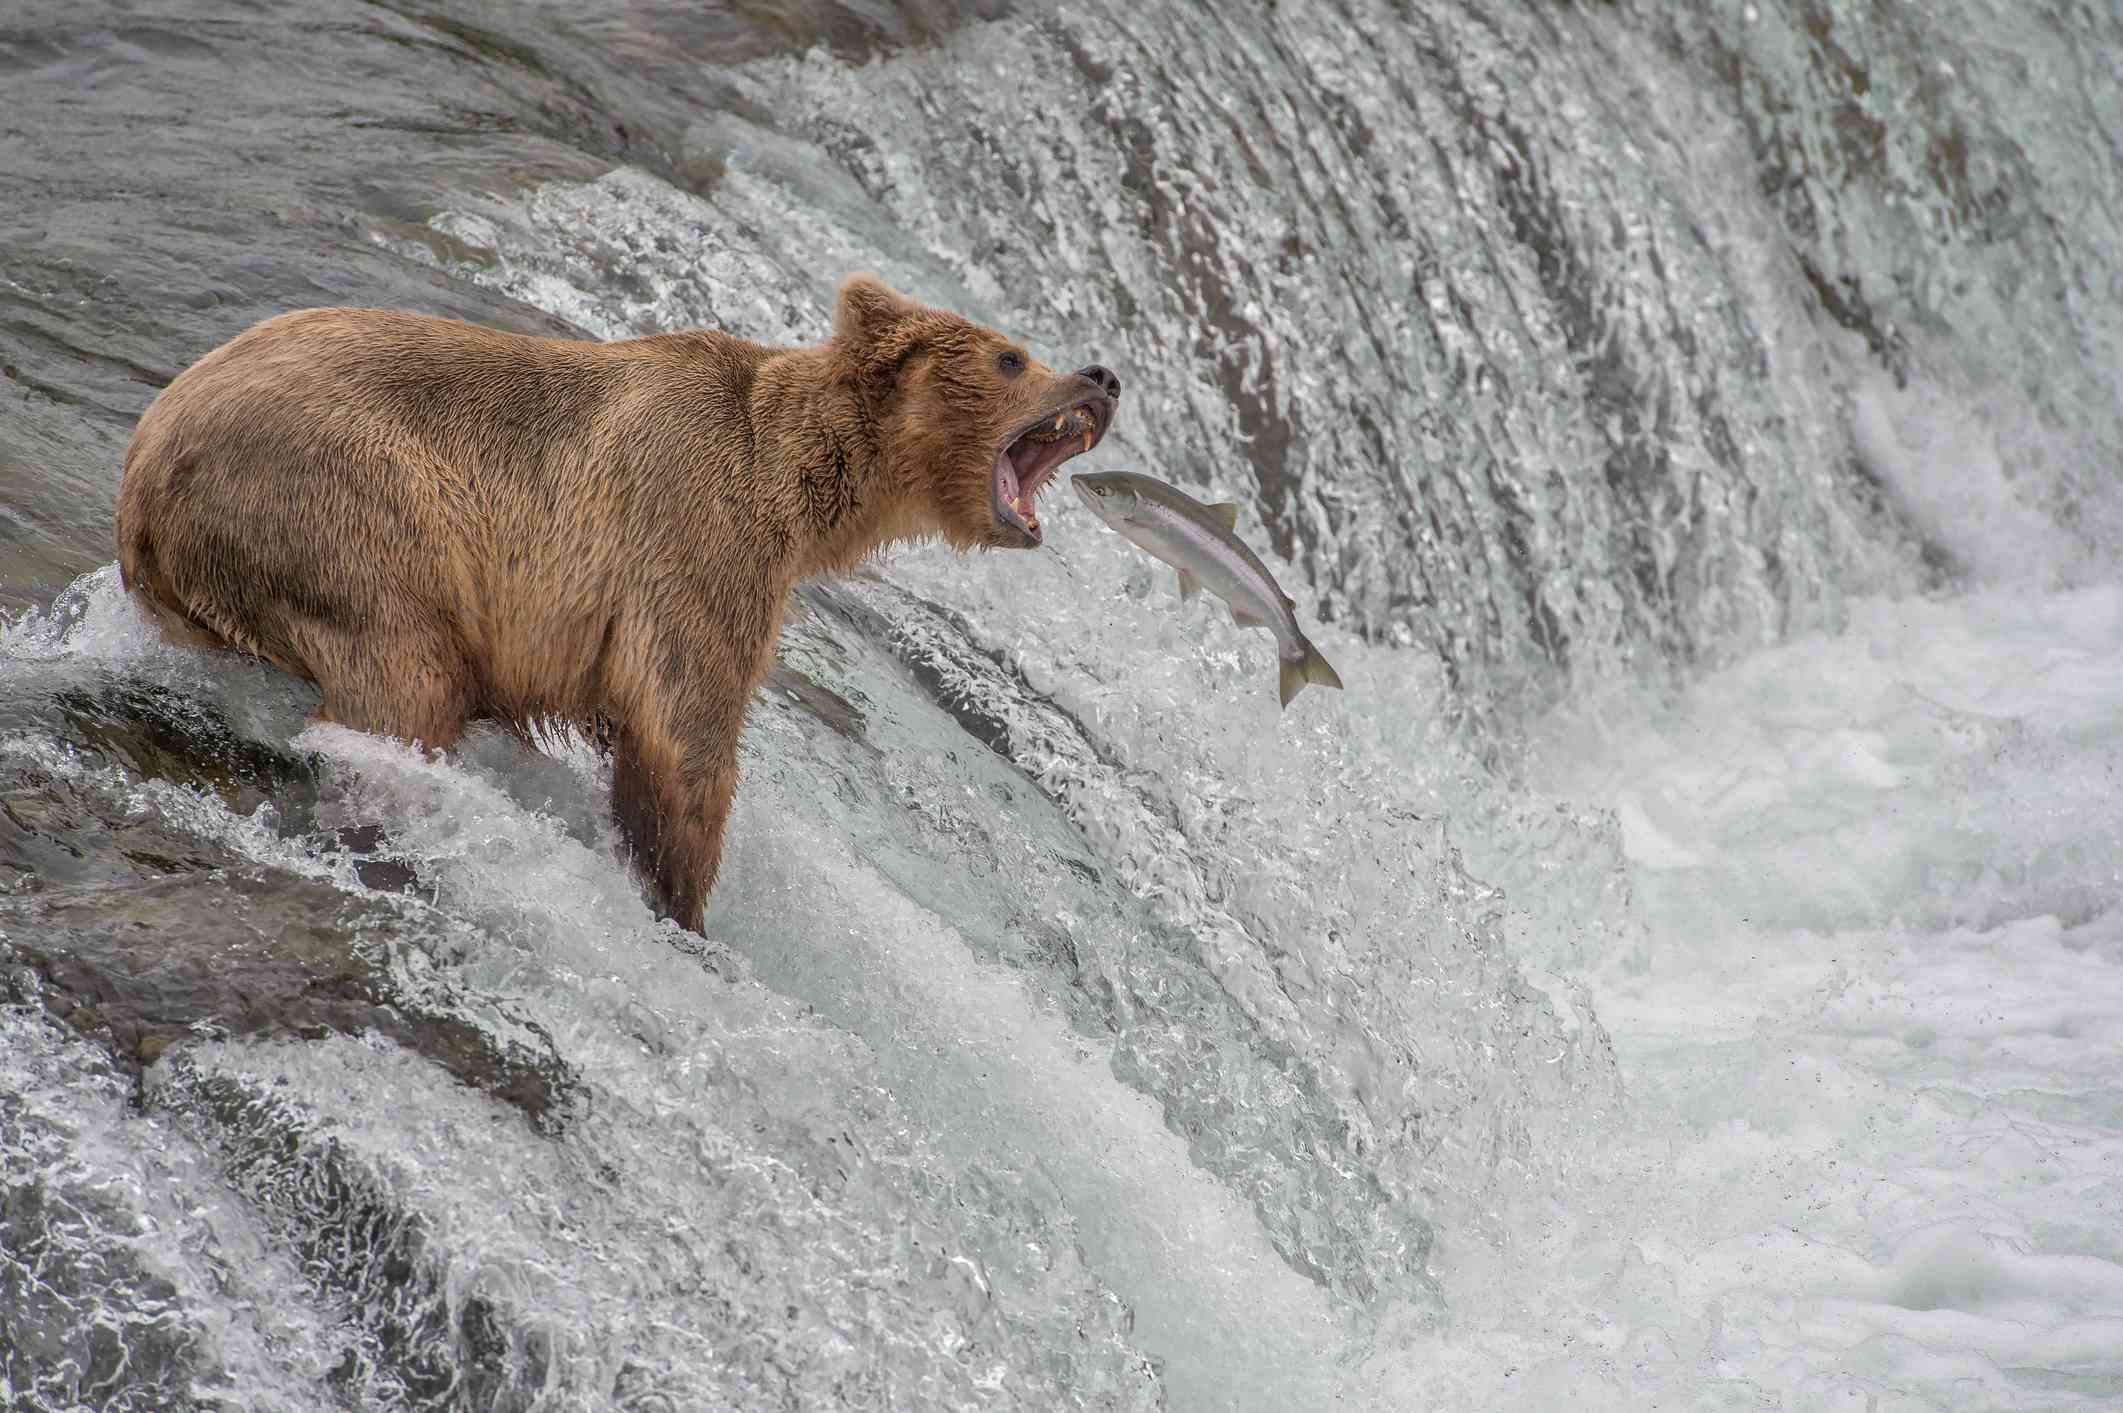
(1199, 541)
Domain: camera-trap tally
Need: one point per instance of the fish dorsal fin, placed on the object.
(1225, 513)
(1189, 585)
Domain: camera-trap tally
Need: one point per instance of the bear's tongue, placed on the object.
(1013, 507)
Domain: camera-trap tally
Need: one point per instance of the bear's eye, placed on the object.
(1011, 362)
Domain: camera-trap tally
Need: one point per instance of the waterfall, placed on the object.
(1693, 432)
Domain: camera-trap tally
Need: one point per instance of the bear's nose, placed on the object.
(1107, 383)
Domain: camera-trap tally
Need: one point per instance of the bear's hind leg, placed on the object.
(406, 688)
(416, 689)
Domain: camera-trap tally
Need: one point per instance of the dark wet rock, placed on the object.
(138, 1357)
(370, 846)
(84, 1320)
(59, 830)
(134, 926)
(168, 736)
(146, 966)
(353, 1234)
(64, 827)
(792, 687)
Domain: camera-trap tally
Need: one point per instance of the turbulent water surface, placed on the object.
(1680, 970)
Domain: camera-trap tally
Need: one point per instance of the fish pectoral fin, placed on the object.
(1190, 584)
(1225, 511)
(1246, 618)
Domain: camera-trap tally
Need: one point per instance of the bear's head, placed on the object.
(970, 427)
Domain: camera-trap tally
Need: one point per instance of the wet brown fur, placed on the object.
(436, 521)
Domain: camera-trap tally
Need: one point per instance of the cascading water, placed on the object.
(1671, 973)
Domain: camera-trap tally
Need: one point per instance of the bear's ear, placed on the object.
(867, 310)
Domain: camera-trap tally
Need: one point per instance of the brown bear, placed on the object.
(436, 522)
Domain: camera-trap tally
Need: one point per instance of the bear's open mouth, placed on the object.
(1027, 461)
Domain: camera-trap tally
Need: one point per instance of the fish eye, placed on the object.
(1011, 362)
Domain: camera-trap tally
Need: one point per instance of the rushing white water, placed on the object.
(1678, 970)
(1869, 1144)
(1866, 1036)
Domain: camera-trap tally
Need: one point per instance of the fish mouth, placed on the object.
(1029, 457)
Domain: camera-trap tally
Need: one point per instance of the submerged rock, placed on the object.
(145, 967)
(135, 928)
(90, 1317)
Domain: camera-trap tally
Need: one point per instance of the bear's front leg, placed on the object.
(672, 782)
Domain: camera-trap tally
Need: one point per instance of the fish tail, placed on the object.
(1308, 666)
